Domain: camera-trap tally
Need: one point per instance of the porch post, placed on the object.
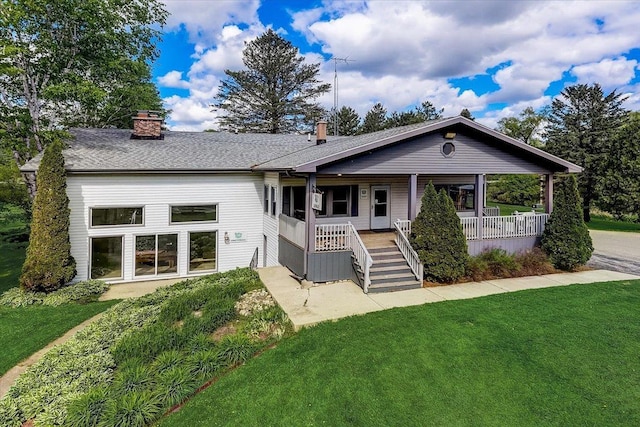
(548, 193)
(310, 222)
(413, 190)
(479, 199)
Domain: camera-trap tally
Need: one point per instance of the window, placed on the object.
(203, 251)
(106, 257)
(463, 195)
(273, 200)
(105, 217)
(340, 200)
(196, 213)
(156, 254)
(448, 149)
(293, 201)
(266, 199)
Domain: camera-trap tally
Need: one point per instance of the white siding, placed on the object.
(270, 221)
(238, 196)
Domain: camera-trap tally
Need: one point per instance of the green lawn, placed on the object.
(11, 259)
(510, 209)
(558, 356)
(609, 224)
(26, 330)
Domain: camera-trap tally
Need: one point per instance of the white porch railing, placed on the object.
(405, 248)
(342, 237)
(293, 230)
(491, 211)
(497, 227)
(500, 227)
(470, 227)
(404, 225)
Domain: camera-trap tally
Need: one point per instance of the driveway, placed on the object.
(615, 250)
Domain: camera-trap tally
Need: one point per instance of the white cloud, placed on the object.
(609, 73)
(190, 115)
(204, 19)
(173, 79)
(405, 51)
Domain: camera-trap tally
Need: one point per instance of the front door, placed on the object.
(380, 207)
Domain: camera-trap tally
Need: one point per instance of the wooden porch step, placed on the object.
(383, 250)
(395, 286)
(391, 278)
(389, 266)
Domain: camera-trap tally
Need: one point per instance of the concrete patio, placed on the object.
(308, 304)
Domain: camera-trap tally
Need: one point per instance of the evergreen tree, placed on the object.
(619, 185)
(438, 239)
(566, 237)
(427, 111)
(581, 127)
(49, 264)
(348, 121)
(275, 93)
(375, 119)
(466, 113)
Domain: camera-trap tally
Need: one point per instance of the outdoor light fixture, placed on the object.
(449, 135)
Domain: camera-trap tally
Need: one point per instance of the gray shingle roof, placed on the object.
(112, 150)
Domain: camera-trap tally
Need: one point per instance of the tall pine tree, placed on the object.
(49, 264)
(581, 127)
(566, 237)
(276, 92)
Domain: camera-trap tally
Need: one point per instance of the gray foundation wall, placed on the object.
(291, 256)
(511, 245)
(330, 266)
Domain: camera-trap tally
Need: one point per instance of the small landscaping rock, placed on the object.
(254, 301)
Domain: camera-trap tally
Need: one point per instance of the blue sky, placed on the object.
(494, 58)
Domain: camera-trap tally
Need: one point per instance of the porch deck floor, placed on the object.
(307, 304)
(375, 239)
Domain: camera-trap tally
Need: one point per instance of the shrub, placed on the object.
(49, 264)
(523, 190)
(437, 237)
(88, 409)
(167, 360)
(135, 376)
(135, 409)
(205, 363)
(81, 292)
(236, 349)
(566, 237)
(175, 385)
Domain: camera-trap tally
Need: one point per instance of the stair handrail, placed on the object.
(412, 258)
(362, 256)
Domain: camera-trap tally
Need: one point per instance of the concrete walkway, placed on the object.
(308, 305)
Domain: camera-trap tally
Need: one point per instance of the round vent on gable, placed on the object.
(448, 149)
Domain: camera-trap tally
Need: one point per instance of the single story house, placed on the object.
(150, 204)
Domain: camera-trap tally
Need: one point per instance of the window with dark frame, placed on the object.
(463, 195)
(110, 217)
(293, 201)
(266, 198)
(339, 200)
(274, 202)
(195, 213)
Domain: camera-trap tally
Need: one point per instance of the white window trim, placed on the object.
(189, 271)
(217, 205)
(155, 274)
(90, 251)
(142, 214)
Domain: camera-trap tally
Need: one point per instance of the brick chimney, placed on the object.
(321, 132)
(147, 125)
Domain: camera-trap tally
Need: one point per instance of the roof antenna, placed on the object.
(335, 60)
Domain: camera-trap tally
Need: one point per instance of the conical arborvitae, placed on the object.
(49, 264)
(566, 237)
(438, 239)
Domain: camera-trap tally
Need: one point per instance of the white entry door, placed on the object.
(380, 207)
